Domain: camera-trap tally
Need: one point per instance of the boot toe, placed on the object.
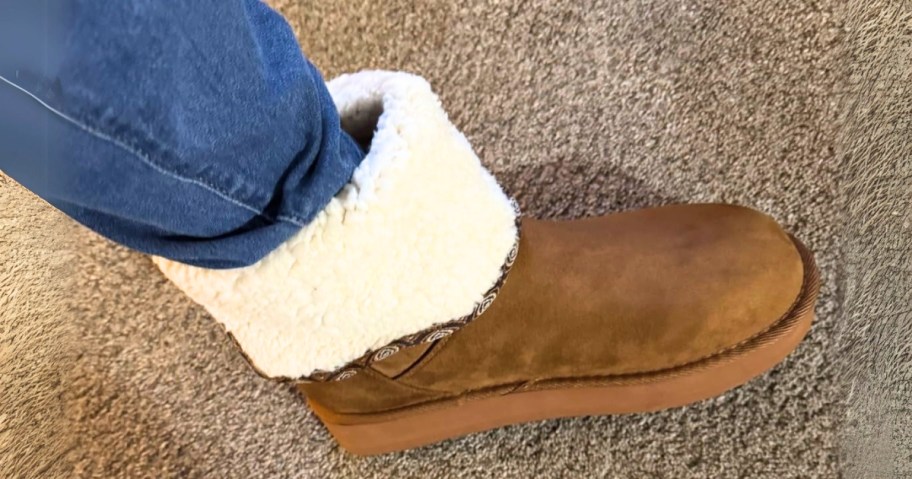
(730, 275)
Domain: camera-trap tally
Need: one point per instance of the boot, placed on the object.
(418, 307)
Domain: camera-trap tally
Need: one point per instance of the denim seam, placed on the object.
(148, 160)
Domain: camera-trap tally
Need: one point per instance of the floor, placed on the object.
(579, 108)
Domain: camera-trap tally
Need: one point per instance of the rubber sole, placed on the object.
(635, 393)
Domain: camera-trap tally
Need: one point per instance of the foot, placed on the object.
(414, 309)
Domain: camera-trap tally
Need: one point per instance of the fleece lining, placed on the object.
(415, 239)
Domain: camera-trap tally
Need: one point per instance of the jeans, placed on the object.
(196, 131)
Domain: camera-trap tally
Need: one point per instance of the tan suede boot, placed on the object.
(416, 309)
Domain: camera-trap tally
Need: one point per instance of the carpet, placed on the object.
(579, 108)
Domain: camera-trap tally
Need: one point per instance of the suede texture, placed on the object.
(630, 293)
(366, 392)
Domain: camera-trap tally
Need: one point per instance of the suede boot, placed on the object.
(419, 306)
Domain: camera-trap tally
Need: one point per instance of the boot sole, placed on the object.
(415, 426)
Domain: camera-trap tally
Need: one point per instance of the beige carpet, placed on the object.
(580, 108)
(875, 329)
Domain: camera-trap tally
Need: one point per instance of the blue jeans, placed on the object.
(195, 130)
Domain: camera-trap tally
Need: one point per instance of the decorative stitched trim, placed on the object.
(434, 333)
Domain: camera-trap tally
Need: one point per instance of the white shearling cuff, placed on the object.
(415, 239)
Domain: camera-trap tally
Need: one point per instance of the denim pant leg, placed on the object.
(196, 130)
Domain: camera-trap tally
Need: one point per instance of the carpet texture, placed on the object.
(35, 333)
(875, 331)
(579, 108)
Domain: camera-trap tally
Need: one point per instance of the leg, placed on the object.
(196, 131)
